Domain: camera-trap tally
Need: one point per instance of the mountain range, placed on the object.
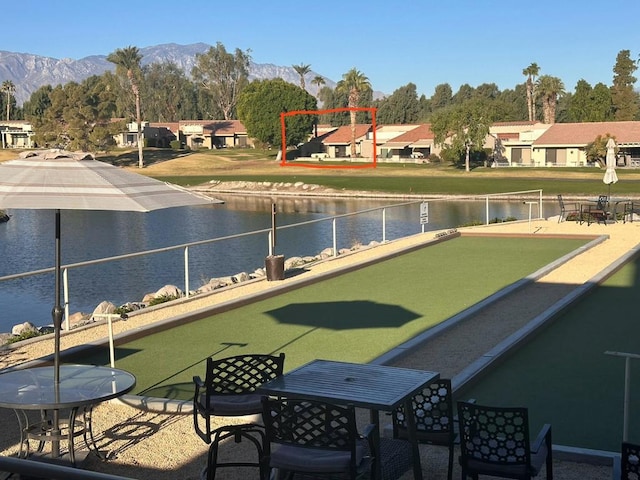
(29, 72)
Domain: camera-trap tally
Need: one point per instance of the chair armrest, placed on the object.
(543, 436)
(199, 385)
(368, 434)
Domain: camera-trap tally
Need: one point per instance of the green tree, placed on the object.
(318, 81)
(302, 70)
(168, 95)
(261, 103)
(401, 106)
(442, 97)
(550, 89)
(464, 94)
(463, 128)
(625, 100)
(78, 117)
(9, 88)
(601, 104)
(127, 62)
(580, 102)
(514, 103)
(223, 75)
(354, 83)
(596, 151)
(38, 103)
(531, 72)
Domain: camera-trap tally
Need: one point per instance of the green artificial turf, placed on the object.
(354, 317)
(563, 375)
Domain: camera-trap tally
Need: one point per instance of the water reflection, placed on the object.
(27, 243)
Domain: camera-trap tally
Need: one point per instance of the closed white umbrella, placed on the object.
(61, 180)
(610, 175)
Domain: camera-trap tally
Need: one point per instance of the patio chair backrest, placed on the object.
(241, 374)
(630, 461)
(432, 409)
(602, 202)
(310, 424)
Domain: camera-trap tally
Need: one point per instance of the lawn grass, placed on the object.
(563, 375)
(354, 317)
(439, 185)
(199, 167)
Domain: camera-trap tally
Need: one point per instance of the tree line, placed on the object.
(81, 115)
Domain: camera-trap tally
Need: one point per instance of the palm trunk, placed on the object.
(530, 100)
(352, 115)
(139, 120)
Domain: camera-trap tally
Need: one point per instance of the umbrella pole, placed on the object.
(57, 325)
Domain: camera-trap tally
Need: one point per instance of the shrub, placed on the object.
(162, 299)
(24, 336)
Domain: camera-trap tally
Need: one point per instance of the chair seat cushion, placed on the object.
(234, 405)
(302, 459)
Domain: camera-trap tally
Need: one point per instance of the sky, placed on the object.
(424, 42)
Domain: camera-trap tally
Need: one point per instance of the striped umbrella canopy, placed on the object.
(61, 180)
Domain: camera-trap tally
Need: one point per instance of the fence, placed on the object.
(269, 232)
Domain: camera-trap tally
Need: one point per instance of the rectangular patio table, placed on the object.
(373, 387)
(615, 201)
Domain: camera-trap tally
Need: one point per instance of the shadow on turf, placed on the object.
(344, 315)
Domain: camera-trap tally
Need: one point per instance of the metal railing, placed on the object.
(268, 232)
(39, 469)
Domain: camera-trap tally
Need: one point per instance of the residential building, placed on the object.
(16, 134)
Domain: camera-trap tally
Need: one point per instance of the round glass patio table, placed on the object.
(80, 386)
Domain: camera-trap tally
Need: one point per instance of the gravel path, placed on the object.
(162, 445)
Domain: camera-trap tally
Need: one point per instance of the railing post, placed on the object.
(487, 209)
(384, 225)
(270, 244)
(186, 271)
(627, 382)
(65, 294)
(541, 216)
(335, 238)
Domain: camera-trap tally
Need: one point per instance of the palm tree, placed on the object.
(127, 62)
(353, 83)
(531, 72)
(318, 81)
(9, 88)
(550, 89)
(302, 70)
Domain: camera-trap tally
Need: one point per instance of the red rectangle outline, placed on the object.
(283, 161)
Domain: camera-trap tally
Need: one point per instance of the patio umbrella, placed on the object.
(610, 175)
(61, 180)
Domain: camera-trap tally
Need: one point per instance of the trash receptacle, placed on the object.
(275, 267)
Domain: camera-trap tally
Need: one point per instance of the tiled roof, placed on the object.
(421, 132)
(343, 134)
(584, 133)
(517, 123)
(218, 127)
(173, 126)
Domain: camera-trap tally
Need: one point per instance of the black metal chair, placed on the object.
(495, 441)
(314, 439)
(630, 461)
(433, 413)
(598, 211)
(630, 210)
(568, 210)
(229, 390)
